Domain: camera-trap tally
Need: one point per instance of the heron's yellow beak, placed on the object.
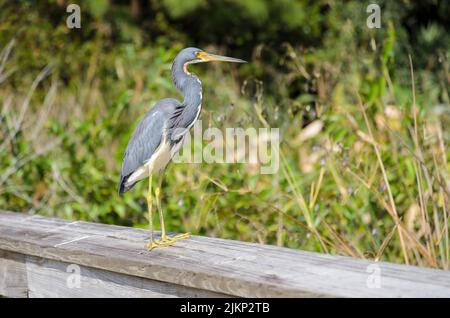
(207, 57)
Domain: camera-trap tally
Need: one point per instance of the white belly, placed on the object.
(157, 162)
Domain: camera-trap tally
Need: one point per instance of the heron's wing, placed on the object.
(146, 138)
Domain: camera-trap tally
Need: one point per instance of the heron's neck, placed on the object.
(188, 84)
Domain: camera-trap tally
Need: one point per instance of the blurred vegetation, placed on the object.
(373, 187)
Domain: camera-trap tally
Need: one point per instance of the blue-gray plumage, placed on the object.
(159, 135)
(146, 139)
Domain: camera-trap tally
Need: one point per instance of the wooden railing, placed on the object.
(49, 257)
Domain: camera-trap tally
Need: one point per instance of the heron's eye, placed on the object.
(199, 54)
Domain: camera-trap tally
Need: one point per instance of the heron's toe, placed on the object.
(172, 239)
(158, 243)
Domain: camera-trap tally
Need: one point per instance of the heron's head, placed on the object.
(192, 55)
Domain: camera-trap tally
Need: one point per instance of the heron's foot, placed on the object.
(172, 239)
(158, 243)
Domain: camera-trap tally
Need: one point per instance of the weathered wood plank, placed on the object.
(13, 275)
(217, 265)
(48, 278)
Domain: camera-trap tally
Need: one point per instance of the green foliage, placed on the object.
(177, 9)
(309, 61)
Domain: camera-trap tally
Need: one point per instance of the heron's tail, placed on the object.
(122, 188)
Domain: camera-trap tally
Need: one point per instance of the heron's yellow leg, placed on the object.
(158, 206)
(151, 243)
(165, 239)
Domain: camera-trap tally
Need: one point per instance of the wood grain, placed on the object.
(115, 256)
(13, 276)
(49, 278)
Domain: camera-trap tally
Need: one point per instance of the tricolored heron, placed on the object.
(159, 135)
